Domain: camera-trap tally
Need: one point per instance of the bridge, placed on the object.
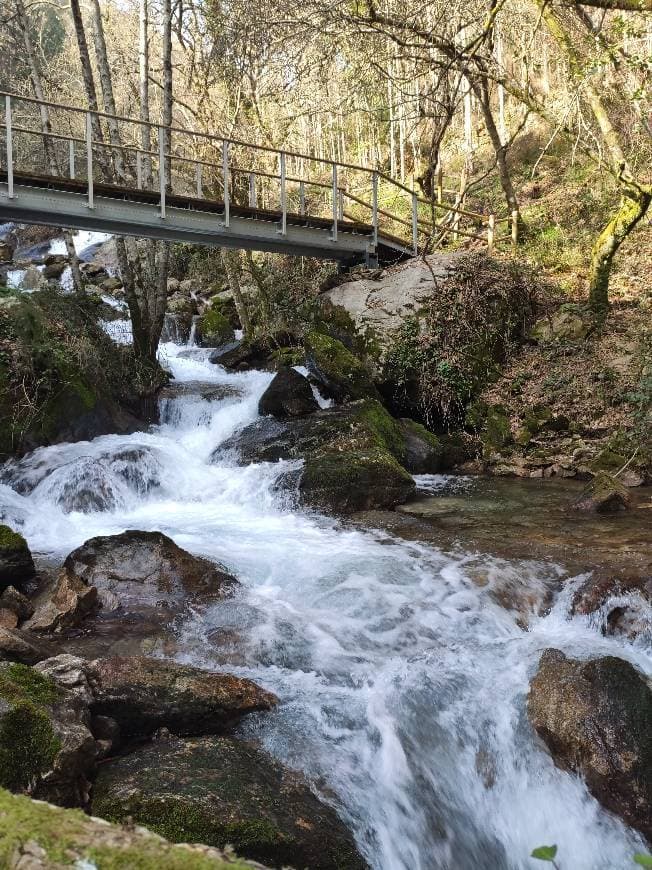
(84, 169)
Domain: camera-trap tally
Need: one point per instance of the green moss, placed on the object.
(28, 745)
(608, 460)
(338, 367)
(384, 430)
(535, 418)
(68, 836)
(215, 327)
(11, 541)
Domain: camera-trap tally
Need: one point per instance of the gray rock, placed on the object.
(288, 395)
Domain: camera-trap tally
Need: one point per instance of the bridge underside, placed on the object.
(123, 211)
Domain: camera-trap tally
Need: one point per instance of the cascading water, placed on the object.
(402, 682)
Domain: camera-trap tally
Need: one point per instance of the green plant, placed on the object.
(546, 853)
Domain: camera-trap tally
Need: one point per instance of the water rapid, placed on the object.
(402, 681)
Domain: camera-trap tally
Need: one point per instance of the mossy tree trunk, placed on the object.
(634, 203)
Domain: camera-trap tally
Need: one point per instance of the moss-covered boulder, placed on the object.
(424, 452)
(214, 328)
(16, 563)
(40, 836)
(220, 791)
(352, 456)
(596, 719)
(605, 494)
(46, 747)
(343, 376)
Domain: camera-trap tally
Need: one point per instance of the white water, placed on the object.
(395, 670)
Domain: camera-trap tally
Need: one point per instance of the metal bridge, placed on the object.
(82, 169)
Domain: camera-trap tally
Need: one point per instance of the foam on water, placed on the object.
(402, 682)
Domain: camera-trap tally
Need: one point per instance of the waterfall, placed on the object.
(402, 681)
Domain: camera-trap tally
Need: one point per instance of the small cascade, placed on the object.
(176, 329)
(192, 337)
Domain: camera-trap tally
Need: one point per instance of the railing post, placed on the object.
(10, 149)
(515, 227)
(440, 184)
(198, 181)
(253, 203)
(335, 203)
(139, 170)
(341, 204)
(491, 231)
(374, 205)
(415, 224)
(225, 182)
(302, 198)
(89, 158)
(71, 157)
(161, 169)
(284, 210)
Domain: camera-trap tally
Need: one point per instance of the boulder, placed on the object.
(54, 270)
(351, 455)
(35, 835)
(252, 353)
(6, 252)
(13, 600)
(595, 717)
(136, 570)
(341, 374)
(143, 695)
(46, 747)
(424, 452)
(22, 646)
(569, 324)
(64, 603)
(110, 284)
(625, 603)
(32, 279)
(604, 494)
(288, 395)
(214, 329)
(221, 791)
(16, 563)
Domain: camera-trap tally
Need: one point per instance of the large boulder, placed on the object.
(141, 570)
(214, 328)
(288, 395)
(46, 747)
(221, 791)
(36, 836)
(424, 452)
(596, 719)
(351, 456)
(143, 695)
(16, 563)
(341, 374)
(605, 494)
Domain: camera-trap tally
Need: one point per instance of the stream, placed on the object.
(402, 680)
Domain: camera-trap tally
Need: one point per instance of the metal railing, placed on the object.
(100, 148)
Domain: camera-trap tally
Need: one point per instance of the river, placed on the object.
(402, 681)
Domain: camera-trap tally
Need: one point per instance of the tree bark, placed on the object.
(233, 269)
(143, 87)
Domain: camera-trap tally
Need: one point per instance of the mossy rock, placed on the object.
(220, 791)
(609, 461)
(214, 328)
(69, 838)
(605, 494)
(28, 743)
(536, 417)
(424, 452)
(342, 374)
(16, 563)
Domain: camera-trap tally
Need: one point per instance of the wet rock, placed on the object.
(68, 672)
(214, 329)
(110, 284)
(46, 747)
(94, 272)
(351, 456)
(6, 252)
(341, 374)
(251, 354)
(16, 563)
(34, 834)
(13, 600)
(64, 603)
(596, 719)
(604, 495)
(423, 450)
(22, 646)
(54, 271)
(143, 694)
(218, 791)
(288, 395)
(145, 570)
(625, 603)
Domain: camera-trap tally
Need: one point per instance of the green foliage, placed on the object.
(545, 853)
(643, 860)
(10, 540)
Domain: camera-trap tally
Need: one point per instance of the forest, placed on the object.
(325, 434)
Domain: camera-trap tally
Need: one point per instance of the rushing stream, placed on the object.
(402, 681)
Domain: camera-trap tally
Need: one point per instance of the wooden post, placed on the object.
(284, 200)
(89, 158)
(440, 185)
(225, 182)
(515, 227)
(161, 169)
(491, 231)
(71, 158)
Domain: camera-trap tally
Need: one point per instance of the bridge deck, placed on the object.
(128, 211)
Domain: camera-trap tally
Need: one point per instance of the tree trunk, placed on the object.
(233, 269)
(46, 127)
(143, 84)
(634, 203)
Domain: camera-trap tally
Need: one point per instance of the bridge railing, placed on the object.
(49, 139)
